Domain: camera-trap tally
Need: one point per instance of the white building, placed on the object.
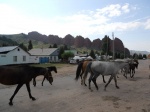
(44, 55)
(13, 55)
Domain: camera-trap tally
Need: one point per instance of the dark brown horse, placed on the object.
(50, 69)
(132, 65)
(82, 67)
(11, 75)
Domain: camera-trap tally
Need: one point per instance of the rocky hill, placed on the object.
(69, 40)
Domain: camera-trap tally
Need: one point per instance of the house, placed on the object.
(13, 55)
(44, 55)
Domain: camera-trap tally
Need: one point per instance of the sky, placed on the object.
(129, 20)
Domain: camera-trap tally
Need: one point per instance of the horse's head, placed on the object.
(55, 69)
(48, 76)
(136, 63)
(52, 68)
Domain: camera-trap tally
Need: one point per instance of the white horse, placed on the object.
(104, 68)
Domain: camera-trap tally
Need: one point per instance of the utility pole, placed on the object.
(113, 46)
(124, 52)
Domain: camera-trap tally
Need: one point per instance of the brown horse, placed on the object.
(82, 67)
(11, 75)
(50, 69)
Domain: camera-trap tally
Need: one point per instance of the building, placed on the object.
(13, 55)
(44, 55)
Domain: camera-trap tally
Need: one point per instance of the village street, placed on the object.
(67, 95)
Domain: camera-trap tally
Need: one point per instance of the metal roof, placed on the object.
(7, 48)
(42, 51)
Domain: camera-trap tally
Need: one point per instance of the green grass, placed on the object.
(58, 65)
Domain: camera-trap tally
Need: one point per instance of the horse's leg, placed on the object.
(17, 89)
(94, 80)
(29, 91)
(81, 78)
(90, 78)
(133, 72)
(130, 73)
(116, 83)
(43, 80)
(34, 82)
(103, 79)
(81, 75)
(111, 77)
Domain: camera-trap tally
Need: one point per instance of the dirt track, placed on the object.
(67, 95)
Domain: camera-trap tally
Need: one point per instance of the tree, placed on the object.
(23, 47)
(50, 46)
(55, 46)
(135, 56)
(140, 56)
(66, 55)
(61, 51)
(92, 54)
(30, 46)
(145, 56)
(106, 45)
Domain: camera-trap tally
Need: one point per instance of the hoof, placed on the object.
(10, 103)
(117, 87)
(33, 98)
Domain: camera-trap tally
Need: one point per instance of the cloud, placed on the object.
(147, 24)
(85, 23)
(125, 8)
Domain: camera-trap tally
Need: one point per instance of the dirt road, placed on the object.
(67, 95)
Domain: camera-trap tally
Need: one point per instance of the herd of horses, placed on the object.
(112, 68)
(23, 74)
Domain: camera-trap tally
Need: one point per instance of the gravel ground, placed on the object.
(67, 95)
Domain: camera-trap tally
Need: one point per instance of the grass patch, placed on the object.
(57, 65)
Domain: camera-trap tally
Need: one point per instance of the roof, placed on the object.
(42, 52)
(7, 48)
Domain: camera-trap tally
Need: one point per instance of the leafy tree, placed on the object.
(145, 56)
(55, 46)
(121, 55)
(67, 55)
(65, 47)
(61, 51)
(50, 46)
(140, 56)
(106, 45)
(135, 56)
(30, 46)
(92, 54)
(23, 47)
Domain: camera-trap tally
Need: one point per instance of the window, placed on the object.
(24, 58)
(15, 58)
(3, 55)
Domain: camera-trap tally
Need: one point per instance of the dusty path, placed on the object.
(67, 95)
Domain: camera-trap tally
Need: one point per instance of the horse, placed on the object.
(81, 67)
(50, 69)
(133, 63)
(103, 68)
(11, 75)
(136, 63)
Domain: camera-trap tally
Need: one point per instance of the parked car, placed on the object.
(73, 61)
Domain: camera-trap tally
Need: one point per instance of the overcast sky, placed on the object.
(128, 19)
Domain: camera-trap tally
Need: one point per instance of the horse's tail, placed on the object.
(88, 67)
(78, 71)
